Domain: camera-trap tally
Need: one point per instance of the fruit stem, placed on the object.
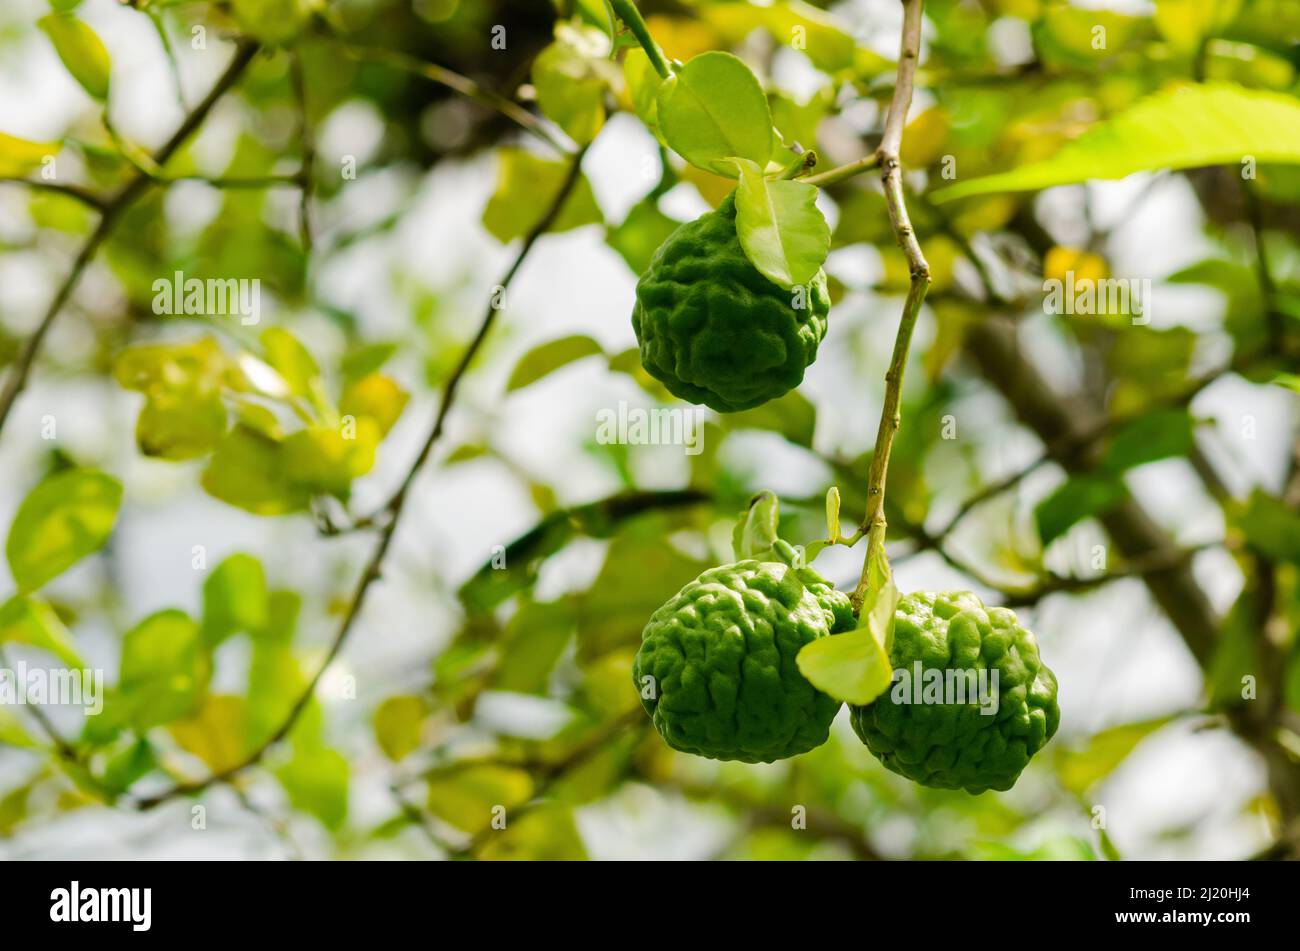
(874, 524)
(842, 172)
(627, 12)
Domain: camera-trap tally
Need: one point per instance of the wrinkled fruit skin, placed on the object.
(721, 653)
(951, 746)
(713, 329)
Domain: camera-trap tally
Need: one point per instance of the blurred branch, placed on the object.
(75, 192)
(112, 211)
(874, 523)
(393, 510)
(307, 147)
(466, 87)
(597, 516)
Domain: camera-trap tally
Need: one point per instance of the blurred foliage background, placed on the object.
(293, 672)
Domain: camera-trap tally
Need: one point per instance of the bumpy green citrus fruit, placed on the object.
(716, 669)
(937, 742)
(713, 329)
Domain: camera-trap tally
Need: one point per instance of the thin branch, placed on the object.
(874, 523)
(308, 149)
(15, 382)
(75, 192)
(466, 87)
(374, 567)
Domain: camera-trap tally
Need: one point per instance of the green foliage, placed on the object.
(82, 51)
(780, 228)
(526, 187)
(1181, 128)
(701, 133)
(62, 520)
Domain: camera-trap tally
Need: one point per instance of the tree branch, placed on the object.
(874, 523)
(374, 566)
(15, 382)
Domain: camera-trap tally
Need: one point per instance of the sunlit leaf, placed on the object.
(784, 234)
(316, 779)
(376, 396)
(234, 598)
(248, 471)
(30, 621)
(215, 733)
(713, 110)
(1186, 127)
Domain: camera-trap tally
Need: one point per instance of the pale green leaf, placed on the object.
(62, 520)
(82, 52)
(19, 156)
(782, 230)
(549, 357)
(714, 110)
(1186, 127)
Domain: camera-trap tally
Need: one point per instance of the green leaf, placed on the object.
(833, 513)
(133, 761)
(248, 471)
(316, 779)
(851, 666)
(19, 156)
(526, 187)
(234, 599)
(398, 722)
(549, 357)
(163, 669)
(1236, 655)
(534, 640)
(570, 79)
(713, 110)
(814, 32)
(792, 415)
(643, 88)
(62, 520)
(545, 834)
(288, 357)
(782, 230)
(642, 232)
(30, 621)
(82, 52)
(273, 21)
(12, 732)
(755, 534)
(1080, 497)
(177, 425)
(1080, 769)
(320, 459)
(1271, 527)
(1186, 127)
(1158, 435)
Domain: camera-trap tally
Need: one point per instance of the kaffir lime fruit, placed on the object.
(713, 329)
(951, 745)
(716, 669)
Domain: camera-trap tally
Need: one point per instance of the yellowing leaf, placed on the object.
(215, 733)
(465, 796)
(398, 722)
(19, 156)
(375, 396)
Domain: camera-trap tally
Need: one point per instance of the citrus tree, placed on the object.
(448, 429)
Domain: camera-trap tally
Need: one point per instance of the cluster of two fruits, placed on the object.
(716, 669)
